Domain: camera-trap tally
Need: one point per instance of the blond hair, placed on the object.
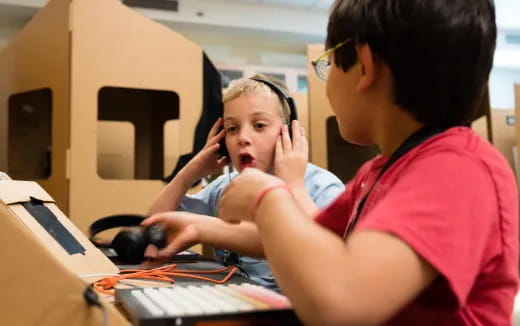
(247, 86)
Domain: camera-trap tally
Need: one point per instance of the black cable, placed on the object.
(92, 299)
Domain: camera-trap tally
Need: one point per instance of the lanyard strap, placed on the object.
(411, 142)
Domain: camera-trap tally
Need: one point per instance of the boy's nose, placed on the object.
(243, 137)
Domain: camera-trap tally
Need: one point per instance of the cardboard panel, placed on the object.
(40, 280)
(38, 58)
(171, 145)
(115, 149)
(302, 105)
(137, 54)
(328, 149)
(504, 132)
(14, 193)
(319, 110)
(517, 111)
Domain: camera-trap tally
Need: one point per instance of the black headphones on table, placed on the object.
(283, 95)
(130, 243)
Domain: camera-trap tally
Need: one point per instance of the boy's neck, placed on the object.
(395, 130)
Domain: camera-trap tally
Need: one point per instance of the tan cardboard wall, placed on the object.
(115, 149)
(503, 129)
(301, 102)
(319, 110)
(41, 282)
(517, 111)
(39, 57)
(62, 49)
(152, 61)
(328, 149)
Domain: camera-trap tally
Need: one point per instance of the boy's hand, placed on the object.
(182, 232)
(206, 161)
(291, 157)
(241, 194)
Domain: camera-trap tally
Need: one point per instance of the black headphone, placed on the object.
(283, 95)
(130, 243)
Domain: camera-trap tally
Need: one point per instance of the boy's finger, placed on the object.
(154, 219)
(223, 161)
(286, 140)
(278, 150)
(214, 129)
(216, 138)
(296, 134)
(170, 250)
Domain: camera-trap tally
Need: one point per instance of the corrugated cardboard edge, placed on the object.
(12, 192)
(37, 288)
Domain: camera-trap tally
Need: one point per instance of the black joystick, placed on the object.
(130, 244)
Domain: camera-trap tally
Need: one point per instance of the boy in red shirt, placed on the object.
(427, 233)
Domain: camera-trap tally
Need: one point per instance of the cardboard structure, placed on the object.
(91, 85)
(328, 149)
(43, 269)
(503, 129)
(517, 111)
(302, 105)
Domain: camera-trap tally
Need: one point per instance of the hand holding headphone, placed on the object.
(130, 243)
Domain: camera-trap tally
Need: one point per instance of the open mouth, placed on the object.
(246, 160)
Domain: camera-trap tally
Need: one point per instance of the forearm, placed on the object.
(305, 201)
(171, 195)
(328, 281)
(302, 268)
(242, 238)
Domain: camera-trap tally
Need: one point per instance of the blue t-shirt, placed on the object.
(322, 186)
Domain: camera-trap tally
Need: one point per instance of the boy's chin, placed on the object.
(242, 167)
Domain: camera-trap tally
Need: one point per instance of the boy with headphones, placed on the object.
(255, 120)
(426, 233)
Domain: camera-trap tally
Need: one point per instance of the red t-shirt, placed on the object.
(453, 199)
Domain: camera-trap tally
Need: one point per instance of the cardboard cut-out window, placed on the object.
(29, 135)
(147, 111)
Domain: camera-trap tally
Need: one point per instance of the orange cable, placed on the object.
(164, 273)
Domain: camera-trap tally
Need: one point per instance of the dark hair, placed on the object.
(440, 52)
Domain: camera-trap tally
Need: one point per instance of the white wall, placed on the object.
(501, 89)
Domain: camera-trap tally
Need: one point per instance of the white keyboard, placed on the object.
(188, 305)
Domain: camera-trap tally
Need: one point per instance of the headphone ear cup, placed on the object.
(130, 246)
(156, 235)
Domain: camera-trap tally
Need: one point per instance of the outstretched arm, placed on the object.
(203, 164)
(186, 229)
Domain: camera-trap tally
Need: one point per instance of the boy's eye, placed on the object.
(259, 125)
(231, 129)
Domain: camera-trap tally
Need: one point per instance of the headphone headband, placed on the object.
(282, 94)
(113, 221)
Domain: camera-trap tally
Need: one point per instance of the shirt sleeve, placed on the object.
(323, 186)
(205, 202)
(444, 207)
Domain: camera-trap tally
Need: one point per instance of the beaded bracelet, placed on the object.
(262, 195)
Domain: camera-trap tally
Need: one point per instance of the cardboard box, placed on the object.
(41, 276)
(74, 72)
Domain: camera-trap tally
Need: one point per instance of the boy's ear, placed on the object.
(367, 66)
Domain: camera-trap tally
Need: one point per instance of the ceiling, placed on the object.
(229, 25)
(308, 4)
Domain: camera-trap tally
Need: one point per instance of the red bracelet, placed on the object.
(262, 195)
